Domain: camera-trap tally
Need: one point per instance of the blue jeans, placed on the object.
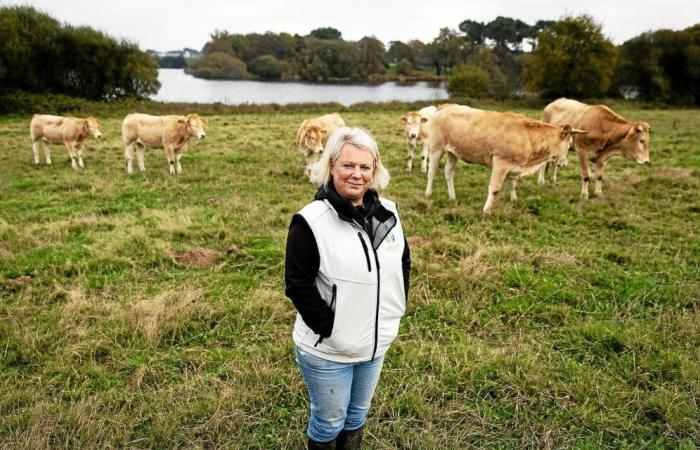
(340, 393)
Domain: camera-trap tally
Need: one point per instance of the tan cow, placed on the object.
(417, 134)
(69, 131)
(313, 135)
(169, 132)
(511, 144)
(608, 134)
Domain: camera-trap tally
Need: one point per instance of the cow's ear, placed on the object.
(565, 131)
(86, 125)
(403, 120)
(423, 119)
(639, 128)
(204, 121)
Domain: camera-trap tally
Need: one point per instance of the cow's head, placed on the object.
(313, 139)
(91, 127)
(635, 146)
(564, 144)
(195, 126)
(413, 121)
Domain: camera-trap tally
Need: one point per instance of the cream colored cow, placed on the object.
(512, 145)
(608, 134)
(169, 132)
(313, 135)
(417, 134)
(69, 131)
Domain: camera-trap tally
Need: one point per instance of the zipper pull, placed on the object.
(320, 339)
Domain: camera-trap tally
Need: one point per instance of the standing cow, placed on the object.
(417, 134)
(169, 132)
(69, 131)
(608, 134)
(512, 145)
(314, 133)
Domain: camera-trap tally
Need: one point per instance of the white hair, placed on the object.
(358, 138)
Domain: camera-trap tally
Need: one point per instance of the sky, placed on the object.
(175, 24)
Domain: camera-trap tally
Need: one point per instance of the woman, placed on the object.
(346, 271)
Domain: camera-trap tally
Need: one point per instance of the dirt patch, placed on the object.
(417, 241)
(197, 257)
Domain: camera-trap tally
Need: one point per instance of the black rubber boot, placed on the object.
(350, 440)
(313, 445)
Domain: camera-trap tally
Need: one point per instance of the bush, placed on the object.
(469, 81)
(268, 67)
(219, 65)
(404, 67)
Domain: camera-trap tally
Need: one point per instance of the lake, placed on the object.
(177, 86)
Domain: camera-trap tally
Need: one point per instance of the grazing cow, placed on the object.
(313, 135)
(511, 144)
(70, 131)
(169, 132)
(608, 134)
(417, 134)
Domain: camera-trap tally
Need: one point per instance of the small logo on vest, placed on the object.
(390, 242)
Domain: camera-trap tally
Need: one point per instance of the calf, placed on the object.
(417, 134)
(169, 132)
(608, 134)
(69, 131)
(313, 135)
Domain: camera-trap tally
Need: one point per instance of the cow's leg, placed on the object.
(47, 152)
(35, 151)
(513, 185)
(450, 173)
(498, 175)
(409, 163)
(71, 152)
(554, 173)
(424, 157)
(435, 156)
(585, 174)
(80, 155)
(128, 157)
(178, 167)
(139, 157)
(599, 169)
(541, 175)
(170, 153)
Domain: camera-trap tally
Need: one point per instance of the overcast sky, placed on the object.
(176, 24)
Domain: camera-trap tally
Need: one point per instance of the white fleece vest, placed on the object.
(367, 308)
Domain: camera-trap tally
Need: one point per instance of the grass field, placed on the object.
(555, 323)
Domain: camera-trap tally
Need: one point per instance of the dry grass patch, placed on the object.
(167, 313)
(196, 257)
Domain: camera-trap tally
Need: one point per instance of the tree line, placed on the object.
(502, 58)
(40, 55)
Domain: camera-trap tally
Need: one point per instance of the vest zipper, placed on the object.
(333, 295)
(376, 317)
(364, 247)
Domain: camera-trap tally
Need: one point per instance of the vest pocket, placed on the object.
(334, 293)
(364, 247)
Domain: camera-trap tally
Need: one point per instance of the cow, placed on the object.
(313, 135)
(608, 134)
(169, 132)
(69, 131)
(511, 144)
(417, 134)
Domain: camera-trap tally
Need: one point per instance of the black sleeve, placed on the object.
(300, 268)
(406, 263)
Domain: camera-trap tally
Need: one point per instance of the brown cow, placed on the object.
(417, 134)
(511, 144)
(169, 132)
(608, 134)
(69, 131)
(313, 135)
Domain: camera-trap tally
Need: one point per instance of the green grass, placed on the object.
(555, 323)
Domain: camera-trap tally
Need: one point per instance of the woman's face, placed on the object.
(352, 173)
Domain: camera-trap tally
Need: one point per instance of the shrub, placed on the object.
(469, 81)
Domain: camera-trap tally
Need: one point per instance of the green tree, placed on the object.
(399, 50)
(326, 33)
(573, 58)
(268, 67)
(469, 81)
(372, 56)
